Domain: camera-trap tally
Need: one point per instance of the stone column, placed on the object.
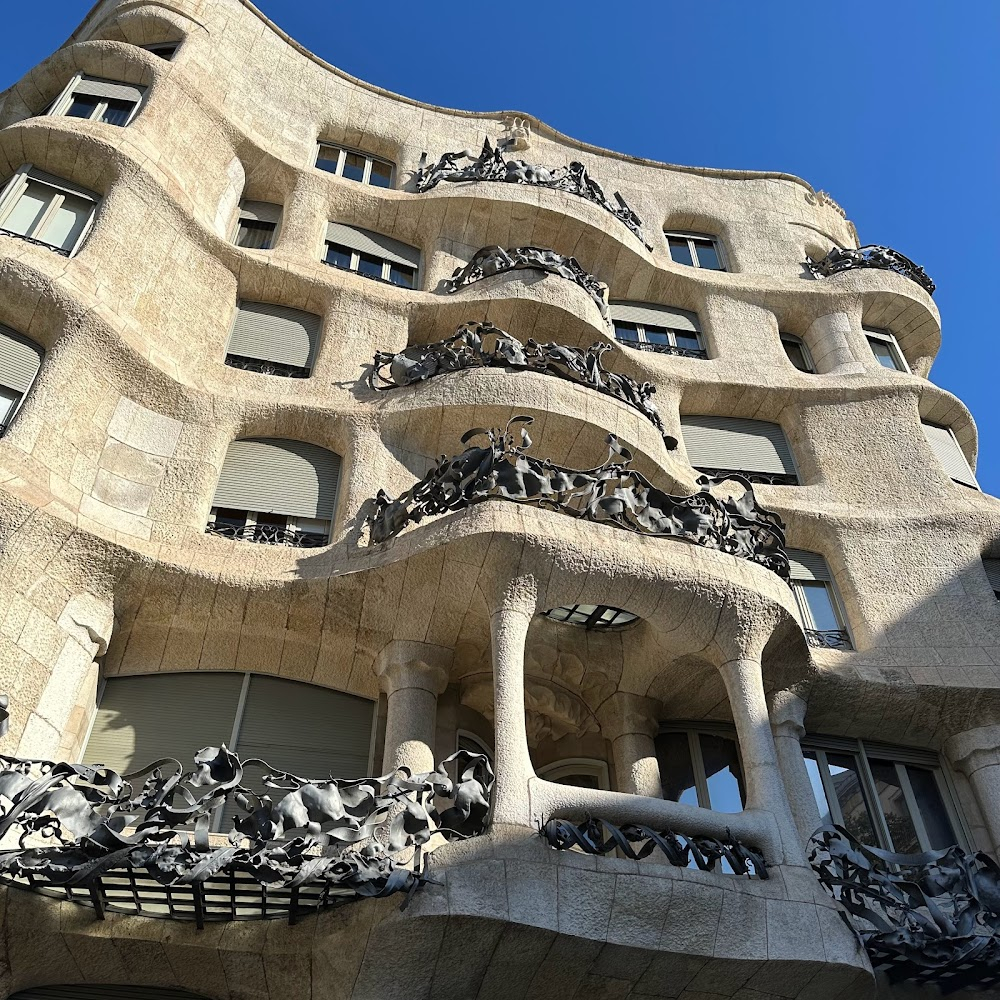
(630, 722)
(413, 674)
(788, 712)
(976, 753)
(765, 787)
(830, 340)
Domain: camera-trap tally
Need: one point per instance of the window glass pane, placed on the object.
(337, 255)
(371, 266)
(819, 792)
(64, 227)
(255, 235)
(381, 175)
(723, 772)
(29, 208)
(689, 341)
(897, 816)
(680, 252)
(626, 332)
(402, 276)
(8, 400)
(578, 780)
(354, 166)
(676, 771)
(820, 604)
(796, 355)
(230, 516)
(117, 112)
(165, 50)
(327, 158)
(931, 808)
(82, 106)
(657, 335)
(708, 256)
(884, 353)
(847, 785)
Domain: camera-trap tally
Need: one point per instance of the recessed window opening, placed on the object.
(797, 353)
(591, 616)
(273, 340)
(580, 772)
(165, 50)
(895, 798)
(695, 250)
(886, 349)
(700, 766)
(649, 327)
(754, 449)
(257, 225)
(371, 255)
(46, 210)
(20, 360)
(823, 618)
(354, 165)
(949, 453)
(94, 99)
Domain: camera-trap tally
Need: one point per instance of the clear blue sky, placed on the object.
(889, 106)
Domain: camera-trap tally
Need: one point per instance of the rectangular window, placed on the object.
(949, 453)
(797, 353)
(268, 528)
(661, 340)
(696, 250)
(886, 350)
(46, 211)
(254, 235)
(165, 50)
(756, 449)
(701, 767)
(823, 619)
(354, 165)
(94, 99)
(370, 266)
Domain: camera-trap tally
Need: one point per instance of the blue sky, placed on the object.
(889, 106)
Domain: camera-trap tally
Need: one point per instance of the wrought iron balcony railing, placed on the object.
(841, 259)
(680, 352)
(140, 843)
(828, 638)
(930, 918)
(611, 494)
(38, 243)
(263, 367)
(758, 478)
(267, 534)
(483, 345)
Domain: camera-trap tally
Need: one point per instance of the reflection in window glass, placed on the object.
(931, 807)
(884, 354)
(893, 805)
(328, 158)
(29, 208)
(847, 784)
(722, 773)
(354, 166)
(255, 235)
(688, 341)
(819, 792)
(8, 403)
(820, 604)
(381, 175)
(65, 226)
(402, 276)
(708, 256)
(117, 112)
(680, 252)
(369, 265)
(626, 331)
(676, 768)
(338, 256)
(82, 106)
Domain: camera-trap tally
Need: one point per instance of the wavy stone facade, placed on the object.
(110, 465)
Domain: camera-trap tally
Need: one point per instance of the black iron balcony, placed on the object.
(267, 534)
(263, 367)
(828, 638)
(38, 243)
(841, 259)
(758, 478)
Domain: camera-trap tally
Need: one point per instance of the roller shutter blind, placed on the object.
(260, 211)
(735, 443)
(807, 565)
(649, 314)
(20, 360)
(57, 182)
(365, 241)
(949, 454)
(94, 87)
(992, 567)
(271, 332)
(143, 718)
(280, 477)
(101, 992)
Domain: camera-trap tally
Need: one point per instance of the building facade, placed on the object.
(603, 509)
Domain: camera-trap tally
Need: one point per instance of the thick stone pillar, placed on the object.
(630, 722)
(788, 712)
(976, 753)
(413, 674)
(765, 787)
(832, 343)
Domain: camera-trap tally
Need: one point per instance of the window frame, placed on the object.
(342, 152)
(887, 337)
(240, 221)
(694, 731)
(681, 234)
(593, 767)
(387, 266)
(593, 622)
(809, 623)
(674, 348)
(63, 102)
(304, 525)
(11, 194)
(791, 338)
(154, 46)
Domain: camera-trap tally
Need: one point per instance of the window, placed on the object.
(886, 350)
(470, 743)
(257, 228)
(895, 798)
(700, 766)
(590, 616)
(755, 449)
(276, 492)
(992, 567)
(353, 165)
(273, 340)
(98, 100)
(649, 327)
(696, 250)
(372, 255)
(581, 772)
(165, 50)
(20, 360)
(949, 453)
(43, 209)
(798, 353)
(823, 619)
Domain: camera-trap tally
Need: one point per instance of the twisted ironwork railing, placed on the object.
(483, 345)
(679, 352)
(611, 494)
(637, 842)
(37, 243)
(263, 367)
(267, 534)
(828, 638)
(758, 478)
(926, 918)
(140, 843)
(841, 259)
(491, 165)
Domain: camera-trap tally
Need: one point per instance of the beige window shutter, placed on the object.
(736, 443)
(271, 332)
(807, 565)
(20, 360)
(279, 476)
(260, 211)
(365, 241)
(92, 86)
(949, 454)
(648, 314)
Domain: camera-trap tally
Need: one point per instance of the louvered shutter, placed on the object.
(807, 565)
(735, 443)
(280, 477)
(20, 360)
(992, 567)
(94, 87)
(102, 992)
(141, 719)
(949, 454)
(365, 241)
(260, 211)
(271, 332)
(649, 314)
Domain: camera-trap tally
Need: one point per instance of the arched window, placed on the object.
(756, 449)
(276, 492)
(583, 772)
(46, 210)
(20, 360)
(273, 339)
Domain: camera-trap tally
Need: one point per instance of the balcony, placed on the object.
(840, 259)
(267, 534)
